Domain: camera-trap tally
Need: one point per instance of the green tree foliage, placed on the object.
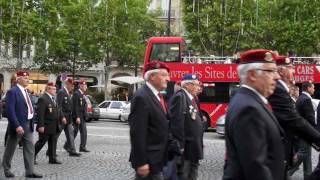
(76, 34)
(225, 27)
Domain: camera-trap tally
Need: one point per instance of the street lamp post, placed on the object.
(169, 19)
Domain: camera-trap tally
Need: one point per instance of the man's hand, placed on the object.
(64, 121)
(78, 120)
(41, 129)
(144, 170)
(20, 130)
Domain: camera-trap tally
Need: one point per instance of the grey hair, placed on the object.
(185, 82)
(149, 73)
(244, 68)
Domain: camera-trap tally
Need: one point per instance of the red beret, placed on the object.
(51, 84)
(257, 56)
(156, 65)
(82, 82)
(22, 73)
(69, 80)
(283, 60)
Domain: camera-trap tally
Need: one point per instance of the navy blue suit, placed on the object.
(17, 110)
(253, 139)
(17, 113)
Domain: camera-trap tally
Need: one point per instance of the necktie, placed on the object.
(54, 101)
(194, 103)
(162, 102)
(29, 102)
(269, 106)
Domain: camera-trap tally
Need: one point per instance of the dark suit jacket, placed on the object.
(305, 109)
(148, 130)
(318, 118)
(253, 140)
(183, 128)
(49, 116)
(17, 110)
(293, 124)
(79, 104)
(65, 104)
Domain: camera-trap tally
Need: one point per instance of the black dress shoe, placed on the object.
(8, 174)
(75, 154)
(66, 148)
(84, 150)
(34, 175)
(54, 161)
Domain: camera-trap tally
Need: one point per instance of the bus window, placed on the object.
(219, 93)
(165, 52)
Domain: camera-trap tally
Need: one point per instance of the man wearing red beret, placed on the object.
(80, 115)
(284, 109)
(254, 147)
(149, 124)
(49, 116)
(20, 114)
(65, 103)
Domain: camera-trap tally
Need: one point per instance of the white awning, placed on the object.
(127, 80)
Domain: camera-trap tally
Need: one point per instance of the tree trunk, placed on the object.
(106, 73)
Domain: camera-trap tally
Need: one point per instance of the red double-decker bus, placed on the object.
(218, 74)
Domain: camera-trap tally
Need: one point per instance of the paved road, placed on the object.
(108, 159)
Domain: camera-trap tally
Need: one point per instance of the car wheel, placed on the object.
(88, 120)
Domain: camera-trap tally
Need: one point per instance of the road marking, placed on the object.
(106, 128)
(120, 137)
(127, 137)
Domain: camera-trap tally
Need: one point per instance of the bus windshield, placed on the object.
(165, 52)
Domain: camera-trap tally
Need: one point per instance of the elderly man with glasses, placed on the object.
(254, 147)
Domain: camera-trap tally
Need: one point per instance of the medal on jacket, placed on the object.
(50, 108)
(193, 112)
(80, 101)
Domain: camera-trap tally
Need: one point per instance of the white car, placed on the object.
(125, 113)
(111, 109)
(220, 126)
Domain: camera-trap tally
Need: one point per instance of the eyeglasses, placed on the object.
(273, 71)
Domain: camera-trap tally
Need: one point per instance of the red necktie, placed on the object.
(269, 107)
(194, 103)
(29, 102)
(162, 102)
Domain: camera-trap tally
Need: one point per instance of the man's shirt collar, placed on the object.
(264, 100)
(189, 95)
(284, 85)
(153, 89)
(307, 94)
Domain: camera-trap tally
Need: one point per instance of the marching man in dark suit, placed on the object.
(80, 115)
(149, 124)
(305, 109)
(65, 103)
(285, 111)
(20, 114)
(253, 134)
(186, 127)
(49, 117)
